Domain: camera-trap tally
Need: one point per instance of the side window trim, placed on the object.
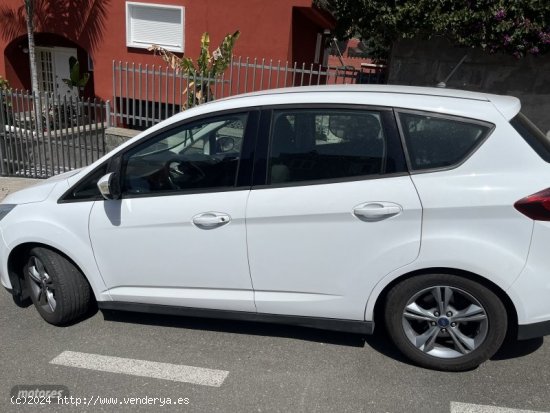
(389, 125)
(491, 127)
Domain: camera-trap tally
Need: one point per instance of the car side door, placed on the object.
(177, 235)
(332, 210)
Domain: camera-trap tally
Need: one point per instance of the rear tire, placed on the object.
(57, 288)
(445, 322)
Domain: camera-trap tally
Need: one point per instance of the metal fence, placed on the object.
(42, 135)
(146, 94)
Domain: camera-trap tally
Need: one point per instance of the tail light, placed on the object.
(536, 206)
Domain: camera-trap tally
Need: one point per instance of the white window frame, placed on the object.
(139, 45)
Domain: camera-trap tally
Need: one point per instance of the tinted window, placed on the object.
(327, 144)
(533, 135)
(437, 142)
(200, 155)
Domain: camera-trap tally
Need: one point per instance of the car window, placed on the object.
(87, 189)
(439, 142)
(201, 155)
(326, 144)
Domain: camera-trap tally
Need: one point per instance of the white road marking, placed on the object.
(142, 368)
(478, 408)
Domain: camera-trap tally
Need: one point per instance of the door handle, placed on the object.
(376, 211)
(210, 220)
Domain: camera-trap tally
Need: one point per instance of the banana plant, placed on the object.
(76, 79)
(205, 70)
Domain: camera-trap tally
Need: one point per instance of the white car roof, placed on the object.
(509, 106)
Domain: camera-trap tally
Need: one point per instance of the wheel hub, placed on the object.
(443, 322)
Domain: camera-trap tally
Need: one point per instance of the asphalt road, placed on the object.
(269, 368)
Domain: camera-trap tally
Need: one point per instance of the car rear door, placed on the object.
(332, 211)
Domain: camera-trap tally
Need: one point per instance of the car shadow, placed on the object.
(512, 348)
(238, 327)
(379, 341)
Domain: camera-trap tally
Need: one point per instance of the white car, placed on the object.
(330, 207)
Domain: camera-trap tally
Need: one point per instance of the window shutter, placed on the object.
(159, 25)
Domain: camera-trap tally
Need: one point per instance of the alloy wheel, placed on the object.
(42, 286)
(445, 322)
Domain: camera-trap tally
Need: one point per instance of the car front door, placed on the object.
(332, 211)
(177, 235)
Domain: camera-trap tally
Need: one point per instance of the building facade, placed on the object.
(98, 32)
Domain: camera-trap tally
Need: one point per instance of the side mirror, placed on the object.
(225, 144)
(109, 186)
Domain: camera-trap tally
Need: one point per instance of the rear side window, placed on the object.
(326, 144)
(434, 141)
(532, 135)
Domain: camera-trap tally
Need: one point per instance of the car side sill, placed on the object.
(528, 331)
(333, 324)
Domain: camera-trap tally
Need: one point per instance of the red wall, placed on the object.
(265, 26)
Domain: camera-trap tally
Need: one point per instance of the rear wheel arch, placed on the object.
(379, 305)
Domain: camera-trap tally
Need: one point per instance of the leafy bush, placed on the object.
(516, 27)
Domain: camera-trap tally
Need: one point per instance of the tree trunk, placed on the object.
(29, 9)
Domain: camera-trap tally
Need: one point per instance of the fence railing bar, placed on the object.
(74, 138)
(28, 151)
(146, 96)
(39, 134)
(67, 149)
(174, 92)
(18, 133)
(133, 91)
(114, 94)
(64, 138)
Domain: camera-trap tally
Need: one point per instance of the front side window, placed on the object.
(440, 142)
(324, 144)
(200, 155)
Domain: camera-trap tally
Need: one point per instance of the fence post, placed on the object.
(108, 114)
(2, 132)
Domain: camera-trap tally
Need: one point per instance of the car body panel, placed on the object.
(60, 226)
(149, 250)
(309, 254)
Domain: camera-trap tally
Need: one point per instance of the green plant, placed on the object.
(4, 84)
(76, 79)
(205, 70)
(515, 27)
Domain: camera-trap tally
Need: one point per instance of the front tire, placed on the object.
(445, 322)
(57, 288)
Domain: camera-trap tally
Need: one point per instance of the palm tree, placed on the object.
(29, 9)
(29, 16)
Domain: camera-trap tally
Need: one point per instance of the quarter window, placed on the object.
(200, 155)
(439, 142)
(325, 144)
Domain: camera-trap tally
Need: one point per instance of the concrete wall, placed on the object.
(427, 62)
(117, 136)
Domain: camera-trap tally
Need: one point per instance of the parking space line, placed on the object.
(142, 368)
(478, 408)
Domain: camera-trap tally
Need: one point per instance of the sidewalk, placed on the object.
(8, 185)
